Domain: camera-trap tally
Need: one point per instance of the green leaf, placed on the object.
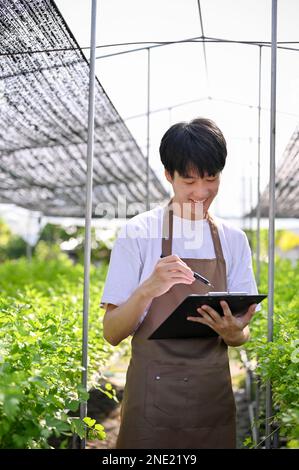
(89, 421)
(72, 405)
(99, 427)
(78, 427)
(83, 394)
(11, 406)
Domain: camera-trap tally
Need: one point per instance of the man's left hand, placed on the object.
(228, 326)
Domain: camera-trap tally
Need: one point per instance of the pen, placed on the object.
(197, 276)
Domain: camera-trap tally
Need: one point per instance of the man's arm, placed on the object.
(119, 322)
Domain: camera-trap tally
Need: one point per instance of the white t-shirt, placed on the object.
(137, 250)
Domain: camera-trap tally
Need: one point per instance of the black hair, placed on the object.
(198, 145)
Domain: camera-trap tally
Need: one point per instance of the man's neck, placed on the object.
(187, 214)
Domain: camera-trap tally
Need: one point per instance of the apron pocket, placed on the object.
(180, 396)
(212, 402)
(166, 395)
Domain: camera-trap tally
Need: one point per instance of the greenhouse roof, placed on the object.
(286, 183)
(43, 121)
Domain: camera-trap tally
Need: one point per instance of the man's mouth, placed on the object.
(196, 201)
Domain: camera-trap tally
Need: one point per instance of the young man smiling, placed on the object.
(178, 392)
(194, 191)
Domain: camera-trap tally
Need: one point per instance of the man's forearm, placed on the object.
(120, 322)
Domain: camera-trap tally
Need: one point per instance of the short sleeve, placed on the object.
(124, 272)
(241, 277)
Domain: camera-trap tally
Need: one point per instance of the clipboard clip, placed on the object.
(226, 293)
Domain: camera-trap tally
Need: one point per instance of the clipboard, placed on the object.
(177, 325)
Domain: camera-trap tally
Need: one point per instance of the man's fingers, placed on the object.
(226, 310)
(179, 267)
(173, 258)
(251, 310)
(206, 310)
(204, 320)
(248, 315)
(175, 276)
(174, 263)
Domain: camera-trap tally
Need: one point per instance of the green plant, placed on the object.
(40, 350)
(11, 246)
(278, 360)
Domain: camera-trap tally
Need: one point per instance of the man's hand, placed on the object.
(168, 271)
(232, 329)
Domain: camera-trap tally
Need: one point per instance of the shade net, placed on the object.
(286, 183)
(43, 122)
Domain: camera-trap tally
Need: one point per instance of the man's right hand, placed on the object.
(168, 271)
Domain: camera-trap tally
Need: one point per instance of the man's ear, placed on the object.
(168, 176)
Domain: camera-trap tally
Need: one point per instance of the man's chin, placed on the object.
(197, 209)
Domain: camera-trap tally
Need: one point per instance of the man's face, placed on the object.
(193, 192)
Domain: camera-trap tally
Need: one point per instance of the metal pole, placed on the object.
(199, 39)
(250, 193)
(28, 251)
(148, 127)
(204, 48)
(271, 240)
(28, 246)
(88, 210)
(243, 196)
(170, 116)
(257, 408)
(258, 208)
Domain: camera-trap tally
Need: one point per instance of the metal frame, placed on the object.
(258, 209)
(148, 126)
(83, 409)
(271, 243)
(88, 212)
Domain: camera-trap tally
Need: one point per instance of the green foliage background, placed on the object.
(41, 334)
(279, 360)
(40, 350)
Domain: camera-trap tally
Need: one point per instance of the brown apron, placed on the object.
(178, 392)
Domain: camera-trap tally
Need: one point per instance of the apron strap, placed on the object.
(215, 237)
(167, 230)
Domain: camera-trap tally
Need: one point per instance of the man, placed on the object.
(178, 392)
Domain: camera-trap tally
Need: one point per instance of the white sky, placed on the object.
(178, 75)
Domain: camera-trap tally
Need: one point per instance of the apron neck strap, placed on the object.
(167, 230)
(215, 237)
